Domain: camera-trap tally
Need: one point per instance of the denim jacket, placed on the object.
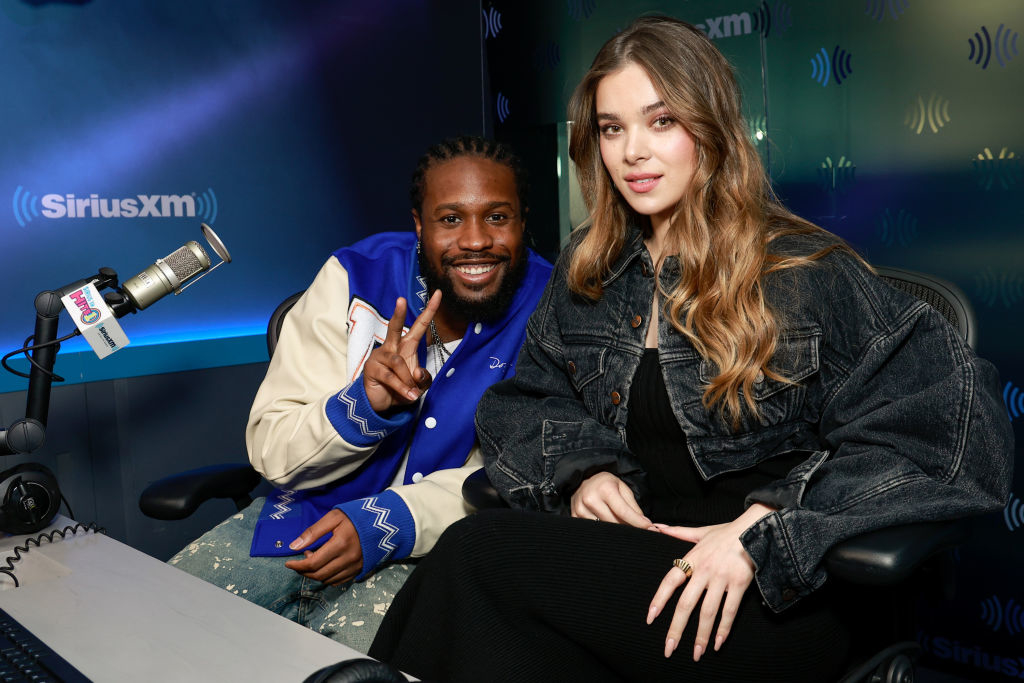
(892, 415)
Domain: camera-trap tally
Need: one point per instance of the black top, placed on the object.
(676, 492)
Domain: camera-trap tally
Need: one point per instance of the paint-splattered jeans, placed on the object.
(349, 613)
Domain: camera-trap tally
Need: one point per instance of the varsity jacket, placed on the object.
(313, 434)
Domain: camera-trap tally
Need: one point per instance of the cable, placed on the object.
(27, 347)
(19, 550)
(71, 513)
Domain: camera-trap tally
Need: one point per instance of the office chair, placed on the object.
(876, 565)
(179, 495)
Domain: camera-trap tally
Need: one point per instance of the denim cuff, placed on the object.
(385, 526)
(355, 420)
(776, 569)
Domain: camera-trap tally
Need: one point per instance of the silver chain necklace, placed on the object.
(442, 352)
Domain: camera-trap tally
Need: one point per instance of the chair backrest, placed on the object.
(277, 320)
(944, 296)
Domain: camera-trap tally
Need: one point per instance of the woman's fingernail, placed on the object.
(296, 544)
(412, 395)
(670, 647)
(718, 643)
(651, 613)
(697, 652)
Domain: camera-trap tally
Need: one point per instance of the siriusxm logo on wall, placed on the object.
(28, 206)
(761, 20)
(972, 655)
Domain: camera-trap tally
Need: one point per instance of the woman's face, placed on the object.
(649, 155)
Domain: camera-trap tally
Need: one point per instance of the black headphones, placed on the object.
(31, 498)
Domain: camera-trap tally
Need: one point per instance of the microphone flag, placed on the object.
(95, 320)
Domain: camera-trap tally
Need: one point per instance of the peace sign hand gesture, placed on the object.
(392, 375)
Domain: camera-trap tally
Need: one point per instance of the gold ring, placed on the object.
(683, 566)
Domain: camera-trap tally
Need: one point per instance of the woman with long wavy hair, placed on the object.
(712, 393)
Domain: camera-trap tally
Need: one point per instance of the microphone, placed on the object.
(175, 272)
(96, 315)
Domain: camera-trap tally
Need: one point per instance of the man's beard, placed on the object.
(489, 309)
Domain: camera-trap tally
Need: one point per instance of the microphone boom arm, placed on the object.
(29, 433)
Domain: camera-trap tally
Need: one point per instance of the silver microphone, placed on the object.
(176, 271)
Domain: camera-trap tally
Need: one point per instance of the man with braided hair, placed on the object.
(364, 421)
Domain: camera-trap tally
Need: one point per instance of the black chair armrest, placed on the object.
(478, 491)
(883, 557)
(888, 556)
(178, 496)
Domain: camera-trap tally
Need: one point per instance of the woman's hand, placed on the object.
(722, 571)
(607, 498)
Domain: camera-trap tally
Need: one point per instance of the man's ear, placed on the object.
(416, 220)
(527, 237)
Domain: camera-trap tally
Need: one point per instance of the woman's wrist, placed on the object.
(754, 514)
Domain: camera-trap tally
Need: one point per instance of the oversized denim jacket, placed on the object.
(894, 417)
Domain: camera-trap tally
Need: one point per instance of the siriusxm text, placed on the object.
(139, 206)
(727, 26)
(975, 656)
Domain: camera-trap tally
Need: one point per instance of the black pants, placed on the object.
(513, 596)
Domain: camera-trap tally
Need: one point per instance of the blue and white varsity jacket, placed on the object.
(312, 432)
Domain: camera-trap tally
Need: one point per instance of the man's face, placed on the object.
(471, 231)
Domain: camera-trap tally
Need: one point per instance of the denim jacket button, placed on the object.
(636, 321)
(572, 368)
(789, 595)
(616, 398)
(759, 377)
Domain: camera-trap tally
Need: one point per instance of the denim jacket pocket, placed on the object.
(585, 365)
(796, 358)
(564, 438)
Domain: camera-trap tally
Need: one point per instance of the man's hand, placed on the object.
(336, 561)
(607, 498)
(392, 375)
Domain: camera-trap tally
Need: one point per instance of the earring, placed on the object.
(417, 247)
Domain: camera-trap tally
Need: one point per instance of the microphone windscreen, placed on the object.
(185, 261)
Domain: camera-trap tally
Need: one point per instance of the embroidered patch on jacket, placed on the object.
(366, 331)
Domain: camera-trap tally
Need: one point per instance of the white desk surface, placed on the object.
(119, 615)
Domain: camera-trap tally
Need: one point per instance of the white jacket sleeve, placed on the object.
(436, 501)
(290, 439)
